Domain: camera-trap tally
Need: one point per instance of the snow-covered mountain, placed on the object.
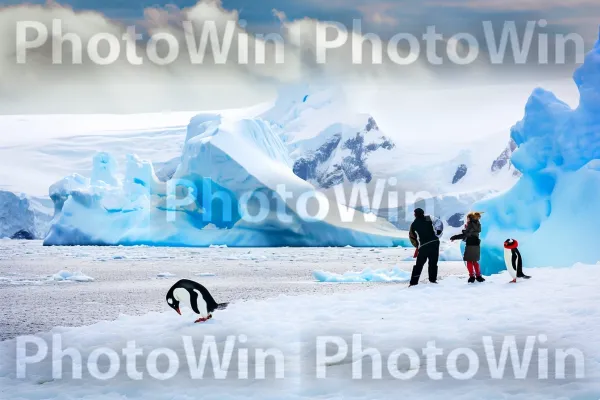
(332, 146)
(320, 139)
(343, 159)
(329, 143)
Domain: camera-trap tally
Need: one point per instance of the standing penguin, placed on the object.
(513, 260)
(193, 295)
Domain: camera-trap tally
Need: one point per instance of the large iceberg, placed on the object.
(233, 186)
(554, 209)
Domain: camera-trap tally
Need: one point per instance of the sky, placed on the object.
(380, 16)
(43, 86)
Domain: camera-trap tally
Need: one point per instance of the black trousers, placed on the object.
(429, 252)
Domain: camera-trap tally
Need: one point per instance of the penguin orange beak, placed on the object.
(178, 312)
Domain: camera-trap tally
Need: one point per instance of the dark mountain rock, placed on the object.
(23, 235)
(503, 159)
(306, 167)
(387, 144)
(353, 168)
(461, 171)
(371, 124)
(332, 178)
(456, 220)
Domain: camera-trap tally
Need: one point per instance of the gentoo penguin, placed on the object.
(193, 295)
(513, 260)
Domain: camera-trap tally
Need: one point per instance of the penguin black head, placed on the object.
(173, 302)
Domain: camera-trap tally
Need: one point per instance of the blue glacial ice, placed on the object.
(67, 276)
(367, 275)
(554, 209)
(227, 190)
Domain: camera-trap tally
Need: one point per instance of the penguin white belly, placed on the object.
(183, 296)
(512, 269)
(202, 307)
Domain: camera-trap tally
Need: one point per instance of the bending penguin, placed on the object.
(195, 296)
(513, 260)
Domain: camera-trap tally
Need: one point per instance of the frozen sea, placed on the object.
(126, 279)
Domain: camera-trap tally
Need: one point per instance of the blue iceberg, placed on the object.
(234, 186)
(367, 275)
(554, 209)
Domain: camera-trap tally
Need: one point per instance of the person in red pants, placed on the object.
(473, 246)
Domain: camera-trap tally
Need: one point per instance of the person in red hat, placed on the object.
(513, 260)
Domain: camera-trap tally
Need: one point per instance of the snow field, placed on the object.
(448, 252)
(125, 278)
(553, 309)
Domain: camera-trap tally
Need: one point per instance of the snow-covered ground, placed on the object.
(556, 311)
(126, 279)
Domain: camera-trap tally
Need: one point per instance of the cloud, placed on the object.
(40, 85)
(380, 13)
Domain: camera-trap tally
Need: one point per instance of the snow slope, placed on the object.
(42, 149)
(37, 150)
(447, 316)
(229, 158)
(553, 211)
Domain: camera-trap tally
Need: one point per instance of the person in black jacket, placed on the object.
(424, 237)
